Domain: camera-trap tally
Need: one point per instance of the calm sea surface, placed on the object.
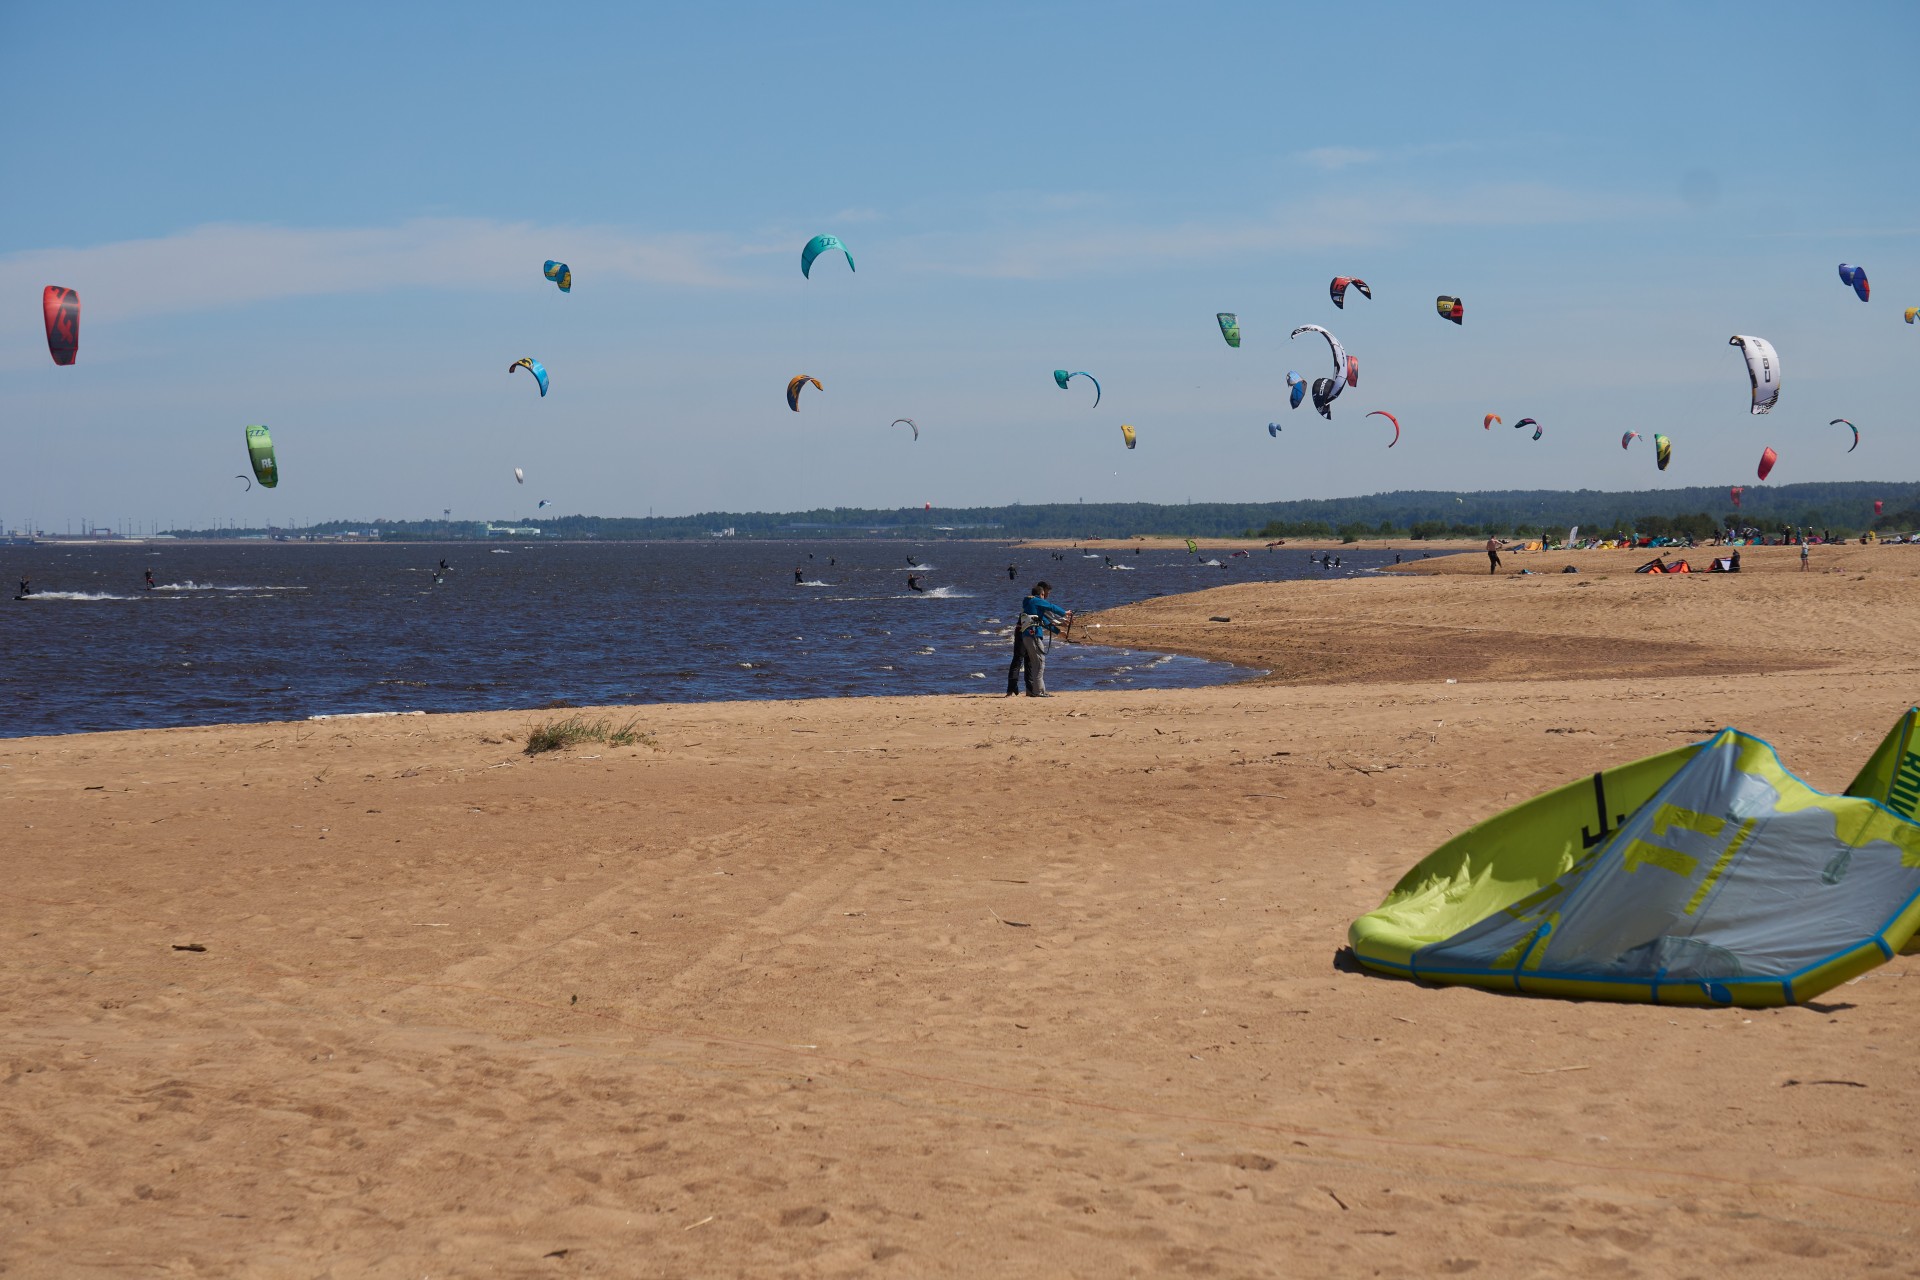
(279, 631)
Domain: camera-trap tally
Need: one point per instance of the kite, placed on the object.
(1126, 433)
(249, 480)
(793, 389)
(61, 307)
(1856, 433)
(1273, 429)
(1877, 504)
(1628, 437)
(1707, 875)
(1763, 369)
(1735, 492)
(1537, 428)
(560, 273)
(817, 246)
(1662, 451)
(897, 421)
(1298, 393)
(1767, 458)
(1060, 377)
(534, 367)
(1382, 413)
(519, 476)
(1911, 313)
(1327, 390)
(542, 503)
(1450, 308)
(1353, 371)
(1486, 423)
(1857, 277)
(260, 455)
(1338, 290)
(1192, 546)
(1229, 328)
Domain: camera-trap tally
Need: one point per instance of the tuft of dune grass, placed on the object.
(574, 730)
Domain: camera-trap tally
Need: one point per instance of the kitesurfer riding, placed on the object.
(1036, 626)
(149, 579)
(913, 582)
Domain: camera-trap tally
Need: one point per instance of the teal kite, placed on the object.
(1060, 377)
(817, 246)
(561, 274)
(1229, 328)
(534, 367)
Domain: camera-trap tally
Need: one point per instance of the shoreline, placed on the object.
(1050, 987)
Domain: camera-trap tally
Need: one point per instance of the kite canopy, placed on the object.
(819, 245)
(1911, 313)
(1450, 308)
(1856, 432)
(1707, 875)
(1298, 393)
(897, 421)
(1338, 290)
(793, 389)
(1343, 369)
(519, 476)
(534, 367)
(1767, 458)
(1229, 328)
(1857, 277)
(1525, 422)
(1486, 423)
(1663, 454)
(1382, 413)
(1735, 493)
(1060, 377)
(1877, 504)
(1273, 429)
(61, 309)
(1763, 370)
(1126, 433)
(560, 273)
(260, 457)
(1628, 437)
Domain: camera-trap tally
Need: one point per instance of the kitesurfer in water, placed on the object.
(149, 579)
(913, 582)
(26, 587)
(1012, 569)
(1493, 555)
(798, 577)
(1036, 623)
(912, 563)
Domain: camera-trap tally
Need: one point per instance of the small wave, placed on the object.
(976, 675)
(191, 585)
(917, 568)
(944, 593)
(811, 582)
(1126, 567)
(498, 551)
(1211, 564)
(77, 595)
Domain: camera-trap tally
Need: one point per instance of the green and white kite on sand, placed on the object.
(1707, 875)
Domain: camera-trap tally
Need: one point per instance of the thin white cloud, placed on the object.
(1338, 157)
(1374, 216)
(223, 265)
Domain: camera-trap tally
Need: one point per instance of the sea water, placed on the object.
(251, 631)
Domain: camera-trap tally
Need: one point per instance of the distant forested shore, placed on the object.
(1843, 508)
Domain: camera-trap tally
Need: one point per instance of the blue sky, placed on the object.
(332, 219)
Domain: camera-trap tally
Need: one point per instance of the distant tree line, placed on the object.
(1844, 508)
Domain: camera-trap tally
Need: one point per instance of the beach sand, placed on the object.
(946, 986)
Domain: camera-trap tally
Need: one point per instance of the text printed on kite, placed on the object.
(825, 244)
(1061, 376)
(793, 389)
(1763, 370)
(61, 310)
(534, 367)
(1450, 308)
(560, 273)
(1382, 413)
(1229, 328)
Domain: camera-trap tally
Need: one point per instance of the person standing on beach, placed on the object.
(1803, 555)
(1036, 625)
(1493, 555)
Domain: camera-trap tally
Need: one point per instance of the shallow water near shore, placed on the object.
(258, 631)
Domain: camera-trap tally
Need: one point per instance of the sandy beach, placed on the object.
(948, 986)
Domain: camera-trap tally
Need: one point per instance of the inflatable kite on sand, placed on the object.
(1708, 875)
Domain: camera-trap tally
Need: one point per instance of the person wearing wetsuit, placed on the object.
(913, 582)
(1037, 615)
(1012, 569)
(26, 586)
(149, 579)
(798, 577)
